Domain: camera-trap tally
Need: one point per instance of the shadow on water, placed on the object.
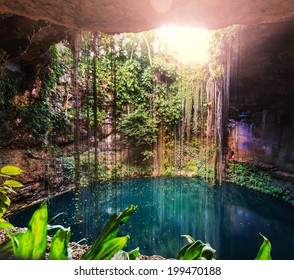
(228, 217)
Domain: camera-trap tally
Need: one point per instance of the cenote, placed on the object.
(229, 217)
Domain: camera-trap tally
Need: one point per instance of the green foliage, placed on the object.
(59, 245)
(197, 145)
(218, 39)
(10, 170)
(48, 115)
(140, 85)
(129, 83)
(88, 171)
(169, 171)
(245, 174)
(36, 111)
(138, 128)
(198, 163)
(31, 245)
(68, 166)
(196, 250)
(170, 109)
(6, 185)
(264, 252)
(107, 244)
(248, 175)
(10, 86)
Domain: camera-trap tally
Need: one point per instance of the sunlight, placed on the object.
(190, 45)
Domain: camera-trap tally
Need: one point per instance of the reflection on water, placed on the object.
(228, 217)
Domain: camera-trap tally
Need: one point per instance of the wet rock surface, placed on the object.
(261, 96)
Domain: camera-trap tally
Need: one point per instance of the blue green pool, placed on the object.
(228, 217)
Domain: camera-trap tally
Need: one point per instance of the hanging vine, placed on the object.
(164, 116)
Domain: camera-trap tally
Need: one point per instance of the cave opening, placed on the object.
(81, 108)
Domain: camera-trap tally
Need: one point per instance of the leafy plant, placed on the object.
(248, 175)
(138, 128)
(6, 185)
(31, 244)
(196, 250)
(59, 245)
(264, 252)
(107, 244)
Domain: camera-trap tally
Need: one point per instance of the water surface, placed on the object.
(228, 217)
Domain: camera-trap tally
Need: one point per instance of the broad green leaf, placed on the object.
(14, 241)
(13, 184)
(190, 239)
(6, 190)
(125, 215)
(2, 209)
(194, 251)
(32, 245)
(7, 248)
(11, 170)
(264, 252)
(6, 225)
(109, 231)
(2, 205)
(109, 248)
(134, 254)
(59, 245)
(183, 251)
(5, 199)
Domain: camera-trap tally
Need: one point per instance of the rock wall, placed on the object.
(42, 176)
(262, 96)
(133, 15)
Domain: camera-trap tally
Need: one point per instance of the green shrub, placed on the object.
(6, 185)
(248, 175)
(31, 244)
(245, 174)
(138, 128)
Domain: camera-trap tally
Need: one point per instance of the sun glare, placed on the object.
(190, 45)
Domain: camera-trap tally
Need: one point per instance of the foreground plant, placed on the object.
(264, 252)
(31, 245)
(6, 186)
(107, 244)
(196, 250)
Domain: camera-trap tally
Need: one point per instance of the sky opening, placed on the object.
(189, 45)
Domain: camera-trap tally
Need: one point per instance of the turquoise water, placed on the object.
(228, 217)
